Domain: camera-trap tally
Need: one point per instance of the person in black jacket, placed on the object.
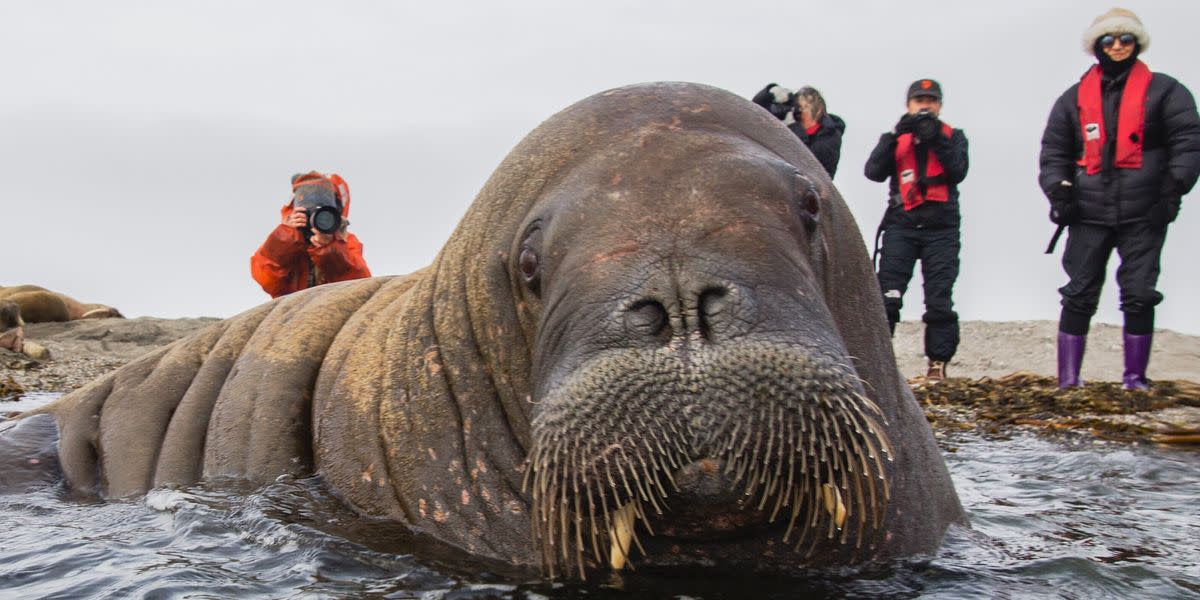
(803, 111)
(1121, 148)
(925, 160)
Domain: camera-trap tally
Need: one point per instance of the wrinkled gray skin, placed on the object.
(658, 299)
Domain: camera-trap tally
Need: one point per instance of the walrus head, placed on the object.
(656, 333)
(692, 390)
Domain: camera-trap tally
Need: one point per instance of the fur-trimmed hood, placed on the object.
(1117, 20)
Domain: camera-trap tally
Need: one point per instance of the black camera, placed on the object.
(322, 207)
(925, 125)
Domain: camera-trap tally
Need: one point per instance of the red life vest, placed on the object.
(913, 191)
(1131, 121)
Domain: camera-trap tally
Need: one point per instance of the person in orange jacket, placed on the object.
(298, 255)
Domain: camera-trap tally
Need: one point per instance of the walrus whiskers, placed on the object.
(807, 443)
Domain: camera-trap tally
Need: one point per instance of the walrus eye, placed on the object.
(529, 264)
(810, 202)
(528, 261)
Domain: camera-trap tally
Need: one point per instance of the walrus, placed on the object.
(12, 327)
(654, 340)
(12, 333)
(40, 305)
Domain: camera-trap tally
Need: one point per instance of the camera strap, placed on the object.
(1054, 240)
(875, 252)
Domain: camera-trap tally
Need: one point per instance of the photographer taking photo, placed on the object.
(926, 159)
(311, 245)
(803, 111)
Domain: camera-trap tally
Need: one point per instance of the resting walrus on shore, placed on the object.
(39, 305)
(655, 337)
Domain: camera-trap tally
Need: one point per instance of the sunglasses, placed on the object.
(1126, 39)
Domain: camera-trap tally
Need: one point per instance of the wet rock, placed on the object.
(10, 390)
(17, 361)
(36, 351)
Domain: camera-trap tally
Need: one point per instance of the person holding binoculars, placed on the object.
(311, 245)
(925, 159)
(803, 111)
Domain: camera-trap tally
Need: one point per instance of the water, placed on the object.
(1051, 518)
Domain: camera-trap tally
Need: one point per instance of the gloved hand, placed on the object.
(904, 125)
(1063, 208)
(1166, 210)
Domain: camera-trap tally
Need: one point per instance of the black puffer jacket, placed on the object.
(951, 152)
(1119, 196)
(826, 143)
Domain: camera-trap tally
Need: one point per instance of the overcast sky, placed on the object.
(147, 146)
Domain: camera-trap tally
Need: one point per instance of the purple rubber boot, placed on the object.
(1137, 356)
(1070, 358)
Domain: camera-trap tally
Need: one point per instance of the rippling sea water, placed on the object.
(1051, 518)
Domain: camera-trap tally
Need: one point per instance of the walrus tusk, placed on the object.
(621, 533)
(834, 505)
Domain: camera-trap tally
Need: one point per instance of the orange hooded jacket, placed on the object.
(283, 263)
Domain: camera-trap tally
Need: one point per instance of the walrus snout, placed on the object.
(712, 312)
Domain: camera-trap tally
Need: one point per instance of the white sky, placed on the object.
(147, 146)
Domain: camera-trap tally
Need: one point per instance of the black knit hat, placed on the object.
(925, 87)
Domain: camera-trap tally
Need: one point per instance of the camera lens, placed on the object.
(925, 125)
(325, 219)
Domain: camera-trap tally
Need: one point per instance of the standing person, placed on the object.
(925, 160)
(311, 245)
(1120, 149)
(803, 111)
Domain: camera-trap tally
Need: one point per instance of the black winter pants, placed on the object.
(1086, 260)
(937, 249)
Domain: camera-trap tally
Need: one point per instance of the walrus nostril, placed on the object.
(648, 318)
(714, 313)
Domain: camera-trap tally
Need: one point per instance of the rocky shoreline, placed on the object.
(81, 351)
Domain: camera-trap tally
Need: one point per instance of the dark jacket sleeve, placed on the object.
(882, 163)
(952, 153)
(1182, 126)
(827, 147)
(764, 98)
(1059, 143)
